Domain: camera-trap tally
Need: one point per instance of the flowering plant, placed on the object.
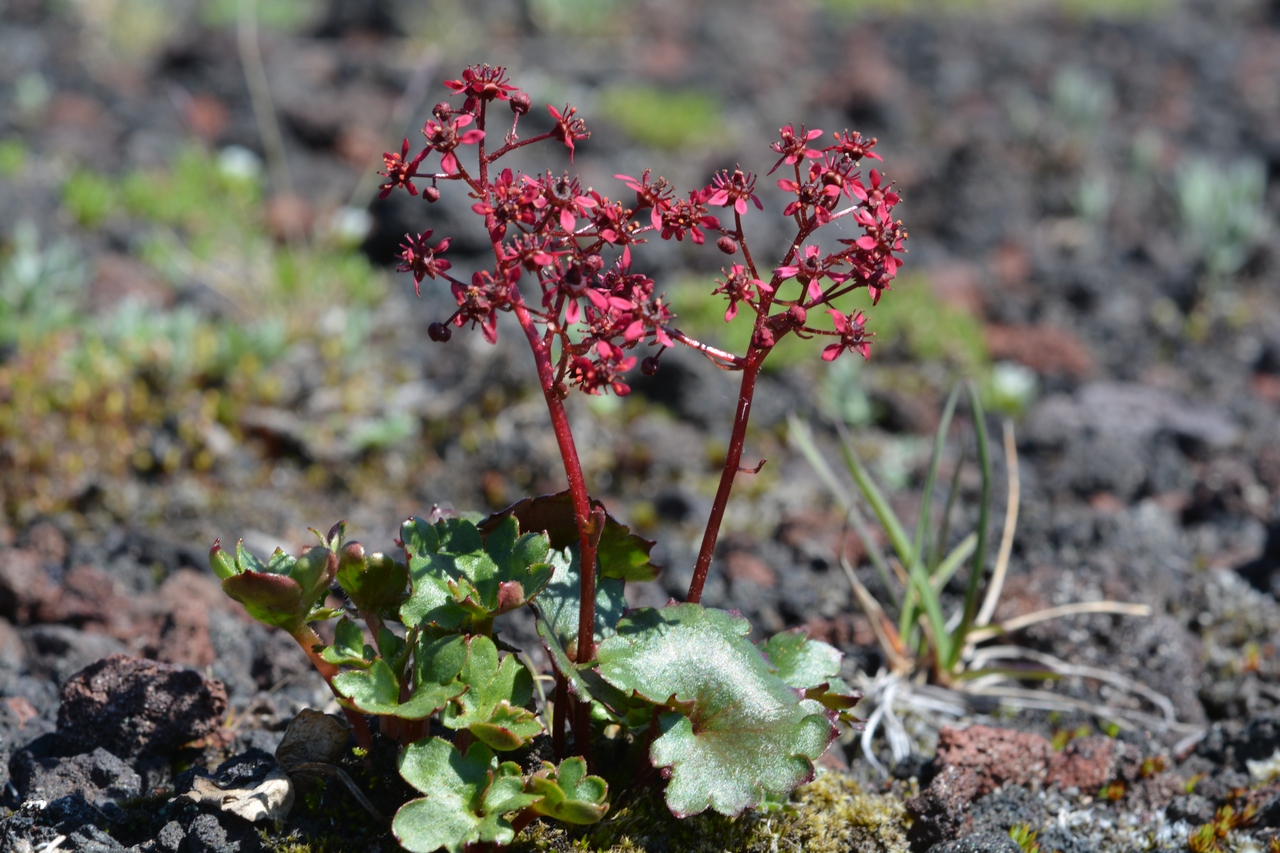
(727, 722)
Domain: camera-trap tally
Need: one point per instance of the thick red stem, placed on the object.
(308, 639)
(588, 534)
(733, 460)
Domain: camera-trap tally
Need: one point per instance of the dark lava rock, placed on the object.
(206, 835)
(99, 777)
(134, 707)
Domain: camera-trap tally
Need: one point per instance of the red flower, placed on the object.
(656, 195)
(482, 83)
(421, 260)
(809, 270)
(444, 137)
(565, 197)
(739, 286)
(792, 146)
(399, 171)
(734, 189)
(568, 127)
(685, 217)
(853, 335)
(853, 146)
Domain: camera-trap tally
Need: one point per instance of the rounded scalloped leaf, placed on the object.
(378, 692)
(466, 797)
(559, 601)
(621, 554)
(349, 648)
(812, 666)
(568, 793)
(739, 731)
(493, 706)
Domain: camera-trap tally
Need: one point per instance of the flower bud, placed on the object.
(520, 103)
(798, 315)
(649, 366)
(431, 194)
(727, 245)
(443, 111)
(439, 332)
(595, 263)
(763, 338)
(561, 391)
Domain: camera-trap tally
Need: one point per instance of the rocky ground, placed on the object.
(1092, 204)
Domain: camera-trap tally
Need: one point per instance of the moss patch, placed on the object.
(832, 814)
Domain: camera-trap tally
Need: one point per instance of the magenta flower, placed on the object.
(444, 137)
(568, 128)
(400, 171)
(421, 260)
(793, 147)
(482, 83)
(734, 189)
(853, 335)
(739, 286)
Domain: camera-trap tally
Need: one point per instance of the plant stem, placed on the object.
(589, 526)
(733, 460)
(308, 639)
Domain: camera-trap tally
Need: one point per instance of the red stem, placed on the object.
(308, 639)
(733, 459)
(588, 534)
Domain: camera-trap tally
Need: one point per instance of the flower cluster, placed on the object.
(576, 244)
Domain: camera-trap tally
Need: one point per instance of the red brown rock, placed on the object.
(133, 707)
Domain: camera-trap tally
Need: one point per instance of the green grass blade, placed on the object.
(926, 501)
(953, 492)
(801, 438)
(953, 561)
(875, 499)
(979, 564)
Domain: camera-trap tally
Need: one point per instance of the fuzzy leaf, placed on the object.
(458, 581)
(737, 731)
(621, 554)
(493, 709)
(568, 793)
(466, 797)
(559, 601)
(349, 648)
(812, 666)
(378, 692)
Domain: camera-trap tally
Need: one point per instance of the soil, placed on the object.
(1046, 158)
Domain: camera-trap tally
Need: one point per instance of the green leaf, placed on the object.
(737, 731)
(559, 601)
(348, 647)
(222, 563)
(621, 554)
(568, 793)
(493, 709)
(371, 582)
(439, 661)
(465, 582)
(273, 600)
(812, 666)
(378, 692)
(466, 797)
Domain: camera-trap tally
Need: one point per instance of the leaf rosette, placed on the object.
(461, 580)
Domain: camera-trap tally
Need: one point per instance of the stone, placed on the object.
(134, 707)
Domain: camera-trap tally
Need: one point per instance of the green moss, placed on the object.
(13, 156)
(660, 118)
(830, 815)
